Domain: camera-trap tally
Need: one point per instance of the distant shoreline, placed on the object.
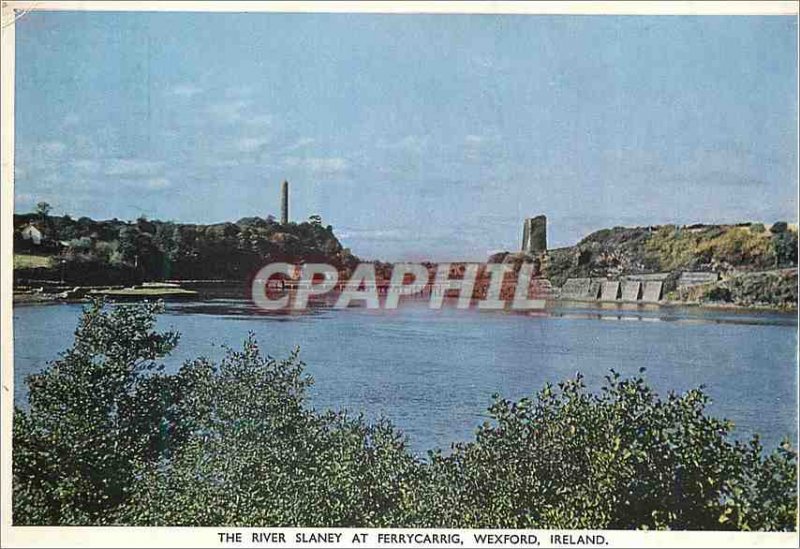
(27, 299)
(733, 266)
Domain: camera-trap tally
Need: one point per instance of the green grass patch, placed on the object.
(30, 261)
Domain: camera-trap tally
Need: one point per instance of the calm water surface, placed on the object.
(433, 372)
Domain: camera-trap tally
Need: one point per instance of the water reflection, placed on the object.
(567, 310)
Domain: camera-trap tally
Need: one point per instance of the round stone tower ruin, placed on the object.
(534, 235)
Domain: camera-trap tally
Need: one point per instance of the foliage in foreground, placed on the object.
(110, 439)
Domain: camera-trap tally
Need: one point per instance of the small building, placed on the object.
(31, 232)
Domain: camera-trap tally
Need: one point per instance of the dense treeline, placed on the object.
(114, 250)
(111, 439)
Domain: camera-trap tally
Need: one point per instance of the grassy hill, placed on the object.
(724, 249)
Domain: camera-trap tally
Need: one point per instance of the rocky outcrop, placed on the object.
(776, 289)
(725, 249)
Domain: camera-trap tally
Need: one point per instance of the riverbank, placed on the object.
(82, 294)
(122, 294)
(694, 304)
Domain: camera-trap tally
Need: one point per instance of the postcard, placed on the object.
(384, 274)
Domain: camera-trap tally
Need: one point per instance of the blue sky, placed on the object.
(415, 136)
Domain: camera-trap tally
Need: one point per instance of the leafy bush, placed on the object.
(94, 416)
(110, 439)
(622, 459)
(779, 227)
(251, 453)
(719, 294)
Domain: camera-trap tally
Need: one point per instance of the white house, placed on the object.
(32, 233)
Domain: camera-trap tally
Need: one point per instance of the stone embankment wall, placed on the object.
(775, 289)
(634, 288)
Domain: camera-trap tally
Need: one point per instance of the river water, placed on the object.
(433, 372)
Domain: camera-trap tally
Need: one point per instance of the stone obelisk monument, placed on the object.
(285, 202)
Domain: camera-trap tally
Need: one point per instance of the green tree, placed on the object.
(129, 243)
(94, 416)
(620, 459)
(43, 210)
